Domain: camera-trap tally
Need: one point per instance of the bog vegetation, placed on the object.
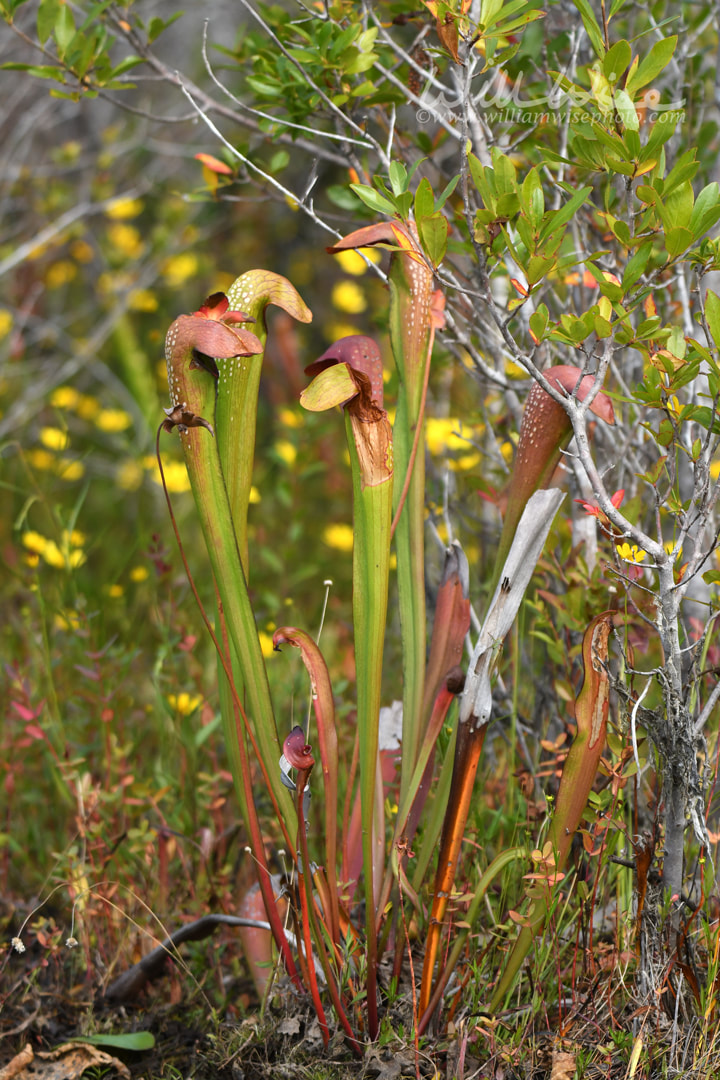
(360, 448)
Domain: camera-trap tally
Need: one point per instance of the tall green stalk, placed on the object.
(192, 343)
(412, 331)
(349, 382)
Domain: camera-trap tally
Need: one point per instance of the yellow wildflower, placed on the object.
(290, 418)
(630, 553)
(254, 495)
(115, 591)
(60, 273)
(347, 296)
(82, 252)
(335, 330)
(123, 209)
(139, 573)
(67, 557)
(87, 407)
(41, 459)
(184, 703)
(54, 438)
(176, 477)
(113, 420)
(286, 451)
(715, 470)
(129, 475)
(465, 462)
(339, 536)
(444, 433)
(69, 469)
(70, 621)
(6, 322)
(266, 644)
(142, 300)
(126, 240)
(65, 397)
(353, 263)
(34, 541)
(180, 268)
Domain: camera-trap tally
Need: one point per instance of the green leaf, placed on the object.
(637, 266)
(558, 218)
(592, 27)
(533, 198)
(706, 203)
(46, 19)
(333, 386)
(265, 87)
(373, 199)
(538, 322)
(125, 65)
(279, 160)
(712, 315)
(41, 72)
(360, 63)
(424, 200)
(340, 196)
(677, 240)
(433, 232)
(398, 177)
(616, 61)
(136, 1040)
(626, 109)
(656, 61)
(64, 30)
(446, 192)
(157, 26)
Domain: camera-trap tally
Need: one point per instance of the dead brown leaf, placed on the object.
(66, 1062)
(563, 1066)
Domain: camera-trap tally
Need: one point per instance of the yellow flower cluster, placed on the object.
(444, 435)
(63, 467)
(67, 555)
(89, 408)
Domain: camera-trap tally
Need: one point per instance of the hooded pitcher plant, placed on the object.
(578, 776)
(350, 374)
(235, 422)
(545, 431)
(192, 345)
(238, 386)
(415, 314)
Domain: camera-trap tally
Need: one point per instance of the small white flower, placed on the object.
(17, 945)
